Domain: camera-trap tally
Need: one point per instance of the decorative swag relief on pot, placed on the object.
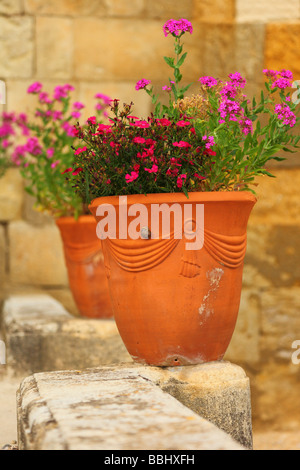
(172, 305)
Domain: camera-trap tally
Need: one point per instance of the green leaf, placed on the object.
(170, 61)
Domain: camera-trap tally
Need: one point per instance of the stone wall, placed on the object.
(106, 46)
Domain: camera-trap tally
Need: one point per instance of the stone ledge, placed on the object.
(40, 335)
(116, 408)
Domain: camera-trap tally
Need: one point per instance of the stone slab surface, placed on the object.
(116, 408)
(40, 335)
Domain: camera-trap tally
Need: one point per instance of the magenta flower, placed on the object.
(183, 123)
(61, 92)
(80, 150)
(78, 105)
(77, 171)
(208, 81)
(32, 146)
(237, 80)
(139, 140)
(154, 169)
(182, 144)
(180, 180)
(50, 152)
(55, 164)
(142, 84)
(132, 177)
(177, 28)
(285, 115)
(35, 88)
(105, 98)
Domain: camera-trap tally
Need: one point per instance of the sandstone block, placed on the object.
(109, 409)
(125, 51)
(244, 347)
(215, 11)
(263, 11)
(36, 255)
(169, 9)
(125, 9)
(11, 195)
(66, 7)
(282, 44)
(54, 47)
(16, 46)
(3, 249)
(11, 7)
(280, 322)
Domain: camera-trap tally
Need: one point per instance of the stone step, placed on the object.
(114, 409)
(40, 335)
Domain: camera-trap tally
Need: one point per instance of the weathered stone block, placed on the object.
(282, 44)
(125, 9)
(41, 335)
(11, 195)
(215, 11)
(280, 322)
(109, 409)
(245, 343)
(218, 391)
(263, 11)
(169, 9)
(3, 249)
(66, 7)
(16, 46)
(36, 255)
(11, 7)
(54, 46)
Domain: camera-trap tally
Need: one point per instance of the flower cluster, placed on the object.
(216, 140)
(13, 128)
(48, 149)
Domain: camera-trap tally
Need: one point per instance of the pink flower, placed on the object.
(77, 171)
(237, 80)
(246, 126)
(80, 150)
(92, 120)
(181, 144)
(210, 141)
(76, 114)
(163, 122)
(32, 146)
(142, 84)
(35, 88)
(105, 98)
(105, 128)
(44, 98)
(180, 180)
(141, 124)
(208, 81)
(6, 143)
(50, 152)
(166, 88)
(139, 140)
(61, 92)
(183, 123)
(177, 28)
(282, 83)
(54, 164)
(68, 170)
(154, 169)
(78, 106)
(132, 177)
(285, 114)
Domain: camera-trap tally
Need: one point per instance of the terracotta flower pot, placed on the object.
(85, 266)
(173, 305)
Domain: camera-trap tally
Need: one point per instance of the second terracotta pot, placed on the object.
(85, 266)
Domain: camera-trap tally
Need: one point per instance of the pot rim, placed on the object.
(70, 220)
(205, 196)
